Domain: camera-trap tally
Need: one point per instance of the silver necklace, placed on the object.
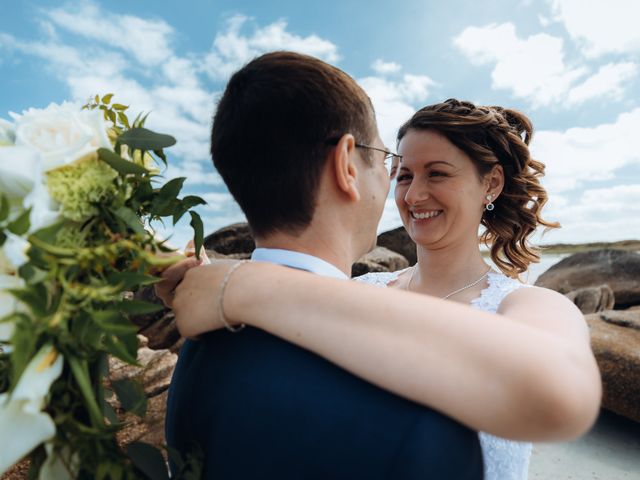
(472, 284)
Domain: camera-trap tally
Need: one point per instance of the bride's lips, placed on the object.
(425, 215)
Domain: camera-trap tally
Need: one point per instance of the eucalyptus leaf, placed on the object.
(172, 188)
(160, 154)
(107, 98)
(123, 119)
(120, 348)
(130, 218)
(129, 281)
(4, 208)
(119, 107)
(119, 164)
(139, 138)
(148, 460)
(131, 395)
(198, 232)
(112, 321)
(21, 224)
(138, 307)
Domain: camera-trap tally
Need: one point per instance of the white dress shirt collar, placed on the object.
(301, 261)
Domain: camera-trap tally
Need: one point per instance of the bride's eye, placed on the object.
(403, 176)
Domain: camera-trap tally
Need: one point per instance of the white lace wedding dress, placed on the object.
(503, 459)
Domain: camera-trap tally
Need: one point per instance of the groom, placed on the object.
(296, 143)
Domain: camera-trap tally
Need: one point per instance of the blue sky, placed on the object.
(572, 66)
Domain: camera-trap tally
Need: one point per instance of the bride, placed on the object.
(517, 368)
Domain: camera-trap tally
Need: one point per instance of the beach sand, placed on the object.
(610, 451)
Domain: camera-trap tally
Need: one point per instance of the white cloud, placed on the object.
(383, 68)
(149, 41)
(578, 155)
(609, 81)
(602, 214)
(394, 101)
(600, 27)
(533, 68)
(231, 49)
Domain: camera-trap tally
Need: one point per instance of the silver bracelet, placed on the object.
(224, 321)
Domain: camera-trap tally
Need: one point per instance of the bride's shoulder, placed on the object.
(379, 278)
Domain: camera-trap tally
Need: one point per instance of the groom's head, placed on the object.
(274, 133)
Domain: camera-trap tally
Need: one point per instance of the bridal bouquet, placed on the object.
(79, 191)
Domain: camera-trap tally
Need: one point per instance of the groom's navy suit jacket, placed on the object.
(261, 408)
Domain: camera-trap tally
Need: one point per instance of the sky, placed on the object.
(572, 66)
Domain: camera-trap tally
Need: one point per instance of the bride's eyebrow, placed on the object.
(430, 164)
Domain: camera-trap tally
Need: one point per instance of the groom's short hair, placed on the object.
(270, 132)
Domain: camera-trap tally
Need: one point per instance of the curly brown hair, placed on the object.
(492, 135)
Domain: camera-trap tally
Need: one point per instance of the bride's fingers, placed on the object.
(171, 278)
(190, 251)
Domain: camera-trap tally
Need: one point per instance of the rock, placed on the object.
(624, 318)
(154, 373)
(155, 370)
(234, 239)
(617, 351)
(162, 333)
(148, 294)
(617, 268)
(149, 429)
(380, 259)
(398, 241)
(593, 299)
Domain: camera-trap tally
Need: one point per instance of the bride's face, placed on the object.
(439, 193)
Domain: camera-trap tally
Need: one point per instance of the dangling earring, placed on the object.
(489, 206)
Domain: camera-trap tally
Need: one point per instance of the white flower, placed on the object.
(21, 414)
(7, 133)
(8, 303)
(20, 171)
(14, 252)
(55, 469)
(45, 211)
(61, 133)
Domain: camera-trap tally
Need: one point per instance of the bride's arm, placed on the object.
(526, 373)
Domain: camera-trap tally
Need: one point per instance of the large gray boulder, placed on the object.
(234, 240)
(619, 269)
(398, 240)
(379, 259)
(615, 340)
(593, 299)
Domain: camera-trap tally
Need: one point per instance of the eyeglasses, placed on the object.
(391, 160)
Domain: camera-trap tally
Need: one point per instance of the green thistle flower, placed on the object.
(71, 236)
(78, 187)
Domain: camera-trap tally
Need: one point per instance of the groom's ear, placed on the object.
(344, 167)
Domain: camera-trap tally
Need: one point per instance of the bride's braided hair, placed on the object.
(490, 136)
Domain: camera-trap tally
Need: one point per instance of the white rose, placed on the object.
(8, 303)
(7, 133)
(20, 171)
(61, 133)
(21, 411)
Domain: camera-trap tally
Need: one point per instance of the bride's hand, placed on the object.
(173, 275)
(196, 303)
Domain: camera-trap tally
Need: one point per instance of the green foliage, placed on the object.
(131, 395)
(148, 460)
(74, 299)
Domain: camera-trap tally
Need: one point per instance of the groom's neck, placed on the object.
(328, 246)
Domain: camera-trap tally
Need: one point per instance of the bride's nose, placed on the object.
(416, 193)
